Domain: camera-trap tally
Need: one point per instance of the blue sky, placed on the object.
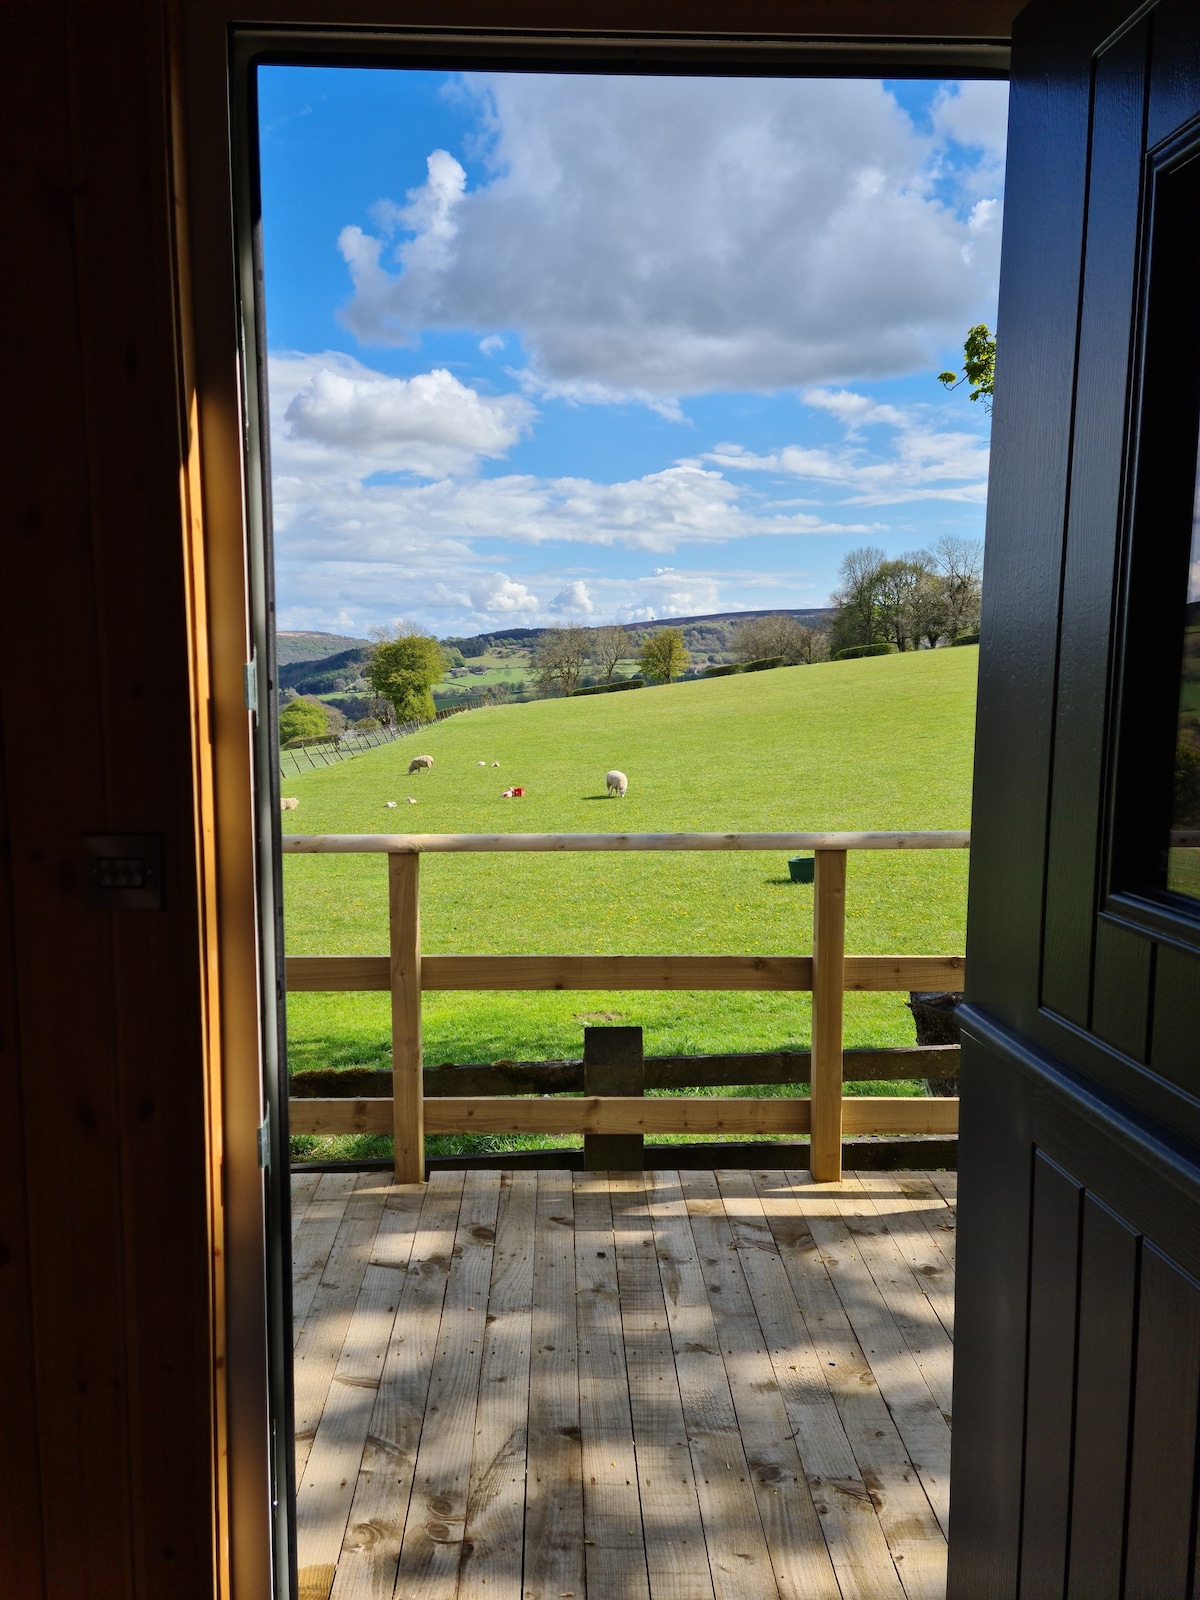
(580, 348)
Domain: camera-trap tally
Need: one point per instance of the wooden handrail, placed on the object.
(490, 843)
(773, 974)
(828, 973)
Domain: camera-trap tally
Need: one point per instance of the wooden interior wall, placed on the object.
(105, 1325)
(107, 1345)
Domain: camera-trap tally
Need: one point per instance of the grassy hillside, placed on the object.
(879, 743)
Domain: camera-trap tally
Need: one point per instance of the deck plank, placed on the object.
(319, 1340)
(918, 1416)
(810, 1496)
(907, 1210)
(314, 1240)
(777, 1241)
(328, 1462)
(860, 1553)
(493, 1546)
(432, 1548)
(904, 1291)
(739, 1556)
(635, 1386)
(370, 1552)
(303, 1187)
(614, 1544)
(676, 1554)
(554, 1552)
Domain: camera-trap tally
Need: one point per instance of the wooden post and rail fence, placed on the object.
(828, 973)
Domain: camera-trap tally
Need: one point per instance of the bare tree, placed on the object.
(608, 647)
(558, 659)
(857, 621)
(959, 563)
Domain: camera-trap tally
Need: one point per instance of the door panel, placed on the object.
(1077, 1368)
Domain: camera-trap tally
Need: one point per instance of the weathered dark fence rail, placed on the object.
(662, 1072)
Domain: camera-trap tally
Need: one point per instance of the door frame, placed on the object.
(214, 47)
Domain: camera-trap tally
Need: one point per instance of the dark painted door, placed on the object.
(1077, 1384)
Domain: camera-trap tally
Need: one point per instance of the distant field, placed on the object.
(883, 743)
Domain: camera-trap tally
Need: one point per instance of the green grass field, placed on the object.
(881, 743)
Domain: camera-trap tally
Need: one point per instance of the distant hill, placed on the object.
(699, 633)
(327, 674)
(291, 647)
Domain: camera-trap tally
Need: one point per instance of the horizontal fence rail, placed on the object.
(327, 974)
(405, 973)
(498, 843)
(937, 1061)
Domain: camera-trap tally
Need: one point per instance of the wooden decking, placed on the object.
(676, 1386)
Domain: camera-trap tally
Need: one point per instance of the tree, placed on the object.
(403, 669)
(558, 659)
(303, 719)
(607, 648)
(930, 611)
(663, 655)
(856, 598)
(959, 565)
(777, 635)
(979, 365)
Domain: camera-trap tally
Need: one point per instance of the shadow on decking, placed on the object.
(667, 1386)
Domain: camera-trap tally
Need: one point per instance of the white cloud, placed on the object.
(497, 595)
(330, 412)
(920, 461)
(656, 237)
(574, 600)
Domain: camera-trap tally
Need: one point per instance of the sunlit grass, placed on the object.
(873, 744)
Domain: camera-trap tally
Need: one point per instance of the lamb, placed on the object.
(420, 764)
(617, 784)
(411, 801)
(495, 763)
(481, 763)
(288, 804)
(389, 805)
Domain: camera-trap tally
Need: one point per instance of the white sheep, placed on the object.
(411, 801)
(420, 764)
(617, 784)
(495, 763)
(288, 804)
(389, 805)
(481, 763)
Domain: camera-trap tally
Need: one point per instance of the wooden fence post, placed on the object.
(829, 952)
(613, 1064)
(404, 929)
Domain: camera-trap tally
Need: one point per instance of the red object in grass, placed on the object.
(518, 794)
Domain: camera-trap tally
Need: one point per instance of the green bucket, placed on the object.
(801, 868)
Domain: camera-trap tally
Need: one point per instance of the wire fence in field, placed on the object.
(303, 755)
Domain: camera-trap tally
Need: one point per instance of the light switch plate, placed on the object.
(123, 871)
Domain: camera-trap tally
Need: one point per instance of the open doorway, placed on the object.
(657, 357)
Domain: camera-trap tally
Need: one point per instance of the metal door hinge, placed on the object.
(264, 1142)
(250, 679)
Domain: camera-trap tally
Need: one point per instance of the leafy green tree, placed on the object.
(663, 655)
(303, 719)
(402, 670)
(979, 365)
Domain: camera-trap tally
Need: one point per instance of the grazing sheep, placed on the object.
(617, 783)
(495, 763)
(420, 764)
(288, 805)
(411, 801)
(389, 805)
